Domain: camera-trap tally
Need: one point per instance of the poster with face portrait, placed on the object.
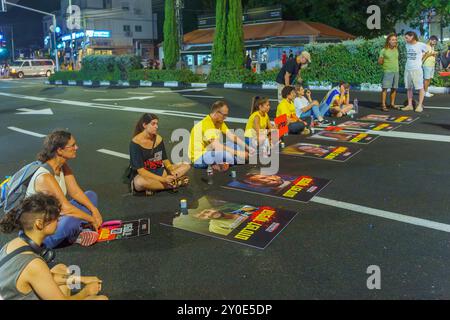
(254, 226)
(318, 151)
(299, 188)
(359, 125)
(352, 137)
(389, 118)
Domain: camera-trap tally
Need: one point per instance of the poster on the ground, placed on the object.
(284, 186)
(359, 125)
(254, 226)
(389, 118)
(352, 137)
(318, 151)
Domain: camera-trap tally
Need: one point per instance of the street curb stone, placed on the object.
(176, 84)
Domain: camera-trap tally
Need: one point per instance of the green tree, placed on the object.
(219, 46)
(171, 45)
(415, 9)
(235, 35)
(347, 15)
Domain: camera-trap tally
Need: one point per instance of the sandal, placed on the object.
(182, 182)
(384, 108)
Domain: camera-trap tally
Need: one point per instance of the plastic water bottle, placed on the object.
(312, 125)
(183, 206)
(355, 105)
(209, 173)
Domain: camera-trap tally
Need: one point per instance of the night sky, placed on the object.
(28, 25)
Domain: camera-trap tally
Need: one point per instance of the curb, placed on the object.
(176, 84)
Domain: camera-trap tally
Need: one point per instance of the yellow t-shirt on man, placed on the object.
(201, 136)
(430, 61)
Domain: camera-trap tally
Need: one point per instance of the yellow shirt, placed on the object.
(250, 131)
(287, 108)
(201, 136)
(430, 61)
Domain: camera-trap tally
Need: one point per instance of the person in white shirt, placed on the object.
(413, 70)
(305, 106)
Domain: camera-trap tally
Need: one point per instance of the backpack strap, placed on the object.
(11, 255)
(48, 167)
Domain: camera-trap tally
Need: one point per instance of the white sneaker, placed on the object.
(428, 95)
(407, 108)
(351, 112)
(419, 108)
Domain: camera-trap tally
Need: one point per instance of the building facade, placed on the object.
(110, 27)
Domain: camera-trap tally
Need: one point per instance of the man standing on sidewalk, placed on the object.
(413, 70)
(289, 72)
(429, 63)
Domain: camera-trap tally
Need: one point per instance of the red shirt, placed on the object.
(283, 58)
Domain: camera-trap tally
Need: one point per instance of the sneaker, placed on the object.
(419, 108)
(428, 95)
(87, 238)
(407, 108)
(305, 132)
(351, 112)
(324, 122)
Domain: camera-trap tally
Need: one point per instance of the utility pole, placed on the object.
(179, 6)
(12, 43)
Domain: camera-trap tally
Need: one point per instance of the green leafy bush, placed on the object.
(232, 75)
(183, 75)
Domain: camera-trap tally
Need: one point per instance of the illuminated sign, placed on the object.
(89, 33)
(98, 33)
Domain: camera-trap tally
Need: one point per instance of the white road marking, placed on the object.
(196, 96)
(47, 111)
(114, 153)
(125, 99)
(383, 214)
(411, 135)
(391, 134)
(443, 108)
(98, 91)
(30, 133)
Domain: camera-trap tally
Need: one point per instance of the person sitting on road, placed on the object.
(152, 171)
(286, 107)
(80, 218)
(306, 107)
(26, 274)
(258, 128)
(337, 101)
(206, 141)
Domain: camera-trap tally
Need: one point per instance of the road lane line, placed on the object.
(114, 153)
(30, 133)
(197, 96)
(383, 214)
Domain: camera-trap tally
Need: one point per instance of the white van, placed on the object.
(32, 67)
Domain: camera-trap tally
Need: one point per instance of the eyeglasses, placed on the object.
(223, 114)
(71, 147)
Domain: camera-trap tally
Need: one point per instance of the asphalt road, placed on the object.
(323, 254)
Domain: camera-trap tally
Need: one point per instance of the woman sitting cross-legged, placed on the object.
(151, 169)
